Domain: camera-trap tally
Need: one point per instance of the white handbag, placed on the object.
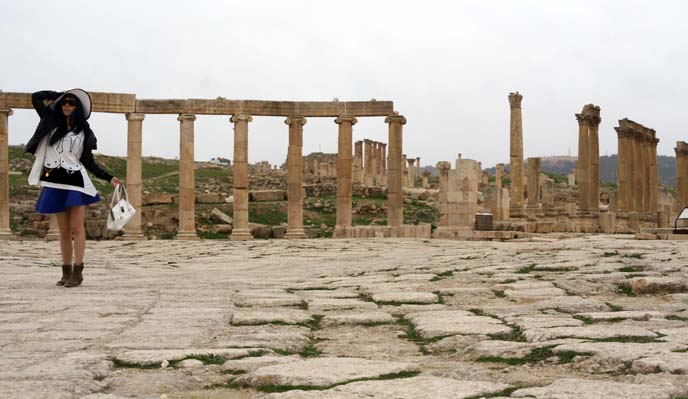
(121, 210)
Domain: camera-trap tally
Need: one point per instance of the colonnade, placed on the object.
(346, 114)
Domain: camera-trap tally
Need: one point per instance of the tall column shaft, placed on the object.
(367, 162)
(622, 178)
(240, 230)
(5, 231)
(187, 222)
(418, 167)
(383, 158)
(638, 166)
(594, 163)
(358, 162)
(133, 229)
(295, 178)
(681, 200)
(533, 183)
(344, 174)
(404, 171)
(395, 211)
(516, 154)
(499, 173)
(582, 165)
(411, 173)
(654, 177)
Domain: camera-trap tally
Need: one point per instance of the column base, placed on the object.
(6, 234)
(295, 234)
(342, 232)
(187, 235)
(133, 236)
(241, 235)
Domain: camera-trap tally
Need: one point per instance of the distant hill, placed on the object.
(564, 165)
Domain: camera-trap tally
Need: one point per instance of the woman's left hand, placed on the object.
(115, 181)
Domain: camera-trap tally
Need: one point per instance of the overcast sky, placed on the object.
(447, 65)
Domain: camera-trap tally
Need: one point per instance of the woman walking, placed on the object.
(63, 143)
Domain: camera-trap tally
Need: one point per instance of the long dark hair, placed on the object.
(78, 121)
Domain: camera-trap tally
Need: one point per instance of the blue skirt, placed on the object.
(54, 200)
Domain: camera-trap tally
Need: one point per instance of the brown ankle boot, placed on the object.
(76, 278)
(66, 272)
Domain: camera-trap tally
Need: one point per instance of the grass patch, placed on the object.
(613, 253)
(633, 256)
(588, 320)
(624, 289)
(624, 339)
(414, 336)
(631, 269)
(677, 318)
(614, 308)
(535, 356)
(505, 393)
(443, 275)
(515, 335)
(499, 294)
(284, 388)
(235, 372)
(127, 365)
(526, 269)
(440, 297)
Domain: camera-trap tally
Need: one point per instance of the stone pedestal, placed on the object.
(516, 156)
(395, 211)
(133, 229)
(344, 174)
(295, 178)
(5, 231)
(187, 198)
(240, 230)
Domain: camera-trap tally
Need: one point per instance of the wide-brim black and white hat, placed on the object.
(84, 99)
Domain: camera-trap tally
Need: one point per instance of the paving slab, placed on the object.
(572, 388)
(452, 322)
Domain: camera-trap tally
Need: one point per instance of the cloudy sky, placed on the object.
(447, 65)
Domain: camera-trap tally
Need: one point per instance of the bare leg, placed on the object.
(76, 225)
(65, 237)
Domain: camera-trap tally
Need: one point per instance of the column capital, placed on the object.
(396, 119)
(443, 166)
(515, 100)
(7, 111)
(241, 117)
(186, 117)
(295, 119)
(132, 116)
(346, 119)
(411, 161)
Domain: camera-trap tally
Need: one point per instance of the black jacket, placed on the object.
(48, 122)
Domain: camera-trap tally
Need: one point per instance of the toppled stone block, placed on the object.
(218, 216)
(157, 199)
(210, 198)
(656, 285)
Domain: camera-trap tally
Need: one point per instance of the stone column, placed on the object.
(411, 173)
(373, 163)
(594, 159)
(533, 183)
(358, 162)
(395, 211)
(418, 167)
(443, 199)
(134, 179)
(187, 220)
(499, 173)
(426, 179)
(582, 164)
(622, 177)
(240, 230)
(516, 155)
(368, 162)
(654, 175)
(344, 174)
(404, 170)
(5, 231)
(638, 168)
(383, 159)
(681, 200)
(295, 178)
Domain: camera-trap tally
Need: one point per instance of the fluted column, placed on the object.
(187, 198)
(516, 155)
(5, 231)
(395, 211)
(344, 174)
(582, 164)
(594, 160)
(240, 230)
(295, 178)
(133, 229)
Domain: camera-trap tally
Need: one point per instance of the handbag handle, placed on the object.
(116, 196)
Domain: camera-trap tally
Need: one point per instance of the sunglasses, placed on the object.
(69, 101)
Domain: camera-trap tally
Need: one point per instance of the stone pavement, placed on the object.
(588, 317)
